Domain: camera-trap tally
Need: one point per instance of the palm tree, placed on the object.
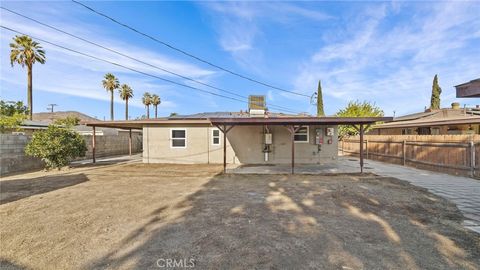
(110, 83)
(25, 52)
(147, 101)
(155, 102)
(126, 93)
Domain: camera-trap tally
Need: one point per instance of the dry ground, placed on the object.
(129, 216)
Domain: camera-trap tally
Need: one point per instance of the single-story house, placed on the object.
(449, 121)
(242, 138)
(28, 127)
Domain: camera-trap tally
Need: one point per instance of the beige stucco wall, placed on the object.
(244, 146)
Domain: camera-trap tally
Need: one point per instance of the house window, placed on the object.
(178, 138)
(215, 136)
(301, 135)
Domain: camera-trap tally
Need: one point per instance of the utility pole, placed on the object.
(51, 107)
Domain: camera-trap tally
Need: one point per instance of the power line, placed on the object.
(135, 59)
(189, 54)
(125, 67)
(51, 107)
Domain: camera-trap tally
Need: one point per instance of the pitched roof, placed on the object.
(435, 118)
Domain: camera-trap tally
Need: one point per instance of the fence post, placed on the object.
(404, 152)
(472, 158)
(343, 145)
(366, 147)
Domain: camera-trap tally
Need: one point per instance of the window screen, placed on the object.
(301, 135)
(179, 138)
(215, 136)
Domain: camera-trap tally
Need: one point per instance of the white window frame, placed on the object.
(308, 135)
(171, 138)
(219, 137)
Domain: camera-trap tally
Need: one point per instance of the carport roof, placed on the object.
(138, 124)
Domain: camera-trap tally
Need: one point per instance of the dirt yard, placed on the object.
(140, 216)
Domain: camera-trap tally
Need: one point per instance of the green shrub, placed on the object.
(56, 146)
(12, 122)
(69, 121)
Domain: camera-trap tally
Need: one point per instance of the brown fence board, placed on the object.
(446, 153)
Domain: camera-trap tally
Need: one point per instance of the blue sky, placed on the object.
(384, 52)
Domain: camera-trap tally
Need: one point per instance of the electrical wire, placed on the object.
(125, 67)
(187, 53)
(136, 59)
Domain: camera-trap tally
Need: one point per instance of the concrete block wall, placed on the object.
(13, 157)
(112, 145)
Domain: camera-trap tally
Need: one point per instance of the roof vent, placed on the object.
(455, 105)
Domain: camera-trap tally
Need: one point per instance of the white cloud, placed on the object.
(237, 24)
(395, 65)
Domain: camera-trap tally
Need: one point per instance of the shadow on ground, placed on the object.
(12, 190)
(299, 222)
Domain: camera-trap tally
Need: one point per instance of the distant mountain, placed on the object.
(50, 117)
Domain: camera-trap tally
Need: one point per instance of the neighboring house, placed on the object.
(470, 89)
(453, 120)
(28, 127)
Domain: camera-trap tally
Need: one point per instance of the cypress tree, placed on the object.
(320, 111)
(436, 91)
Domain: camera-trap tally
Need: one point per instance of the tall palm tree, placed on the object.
(155, 102)
(147, 101)
(110, 83)
(26, 52)
(126, 92)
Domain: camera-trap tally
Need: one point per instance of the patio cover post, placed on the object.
(224, 130)
(361, 147)
(130, 142)
(292, 137)
(292, 130)
(93, 144)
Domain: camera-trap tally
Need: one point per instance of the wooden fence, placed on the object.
(454, 154)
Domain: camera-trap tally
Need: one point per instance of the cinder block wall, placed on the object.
(12, 154)
(13, 158)
(112, 145)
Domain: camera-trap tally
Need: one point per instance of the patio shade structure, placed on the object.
(295, 123)
(225, 125)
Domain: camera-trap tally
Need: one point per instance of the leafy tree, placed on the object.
(69, 121)
(11, 122)
(357, 109)
(56, 146)
(155, 102)
(173, 114)
(320, 111)
(12, 114)
(9, 108)
(436, 92)
(147, 101)
(126, 93)
(26, 52)
(110, 83)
